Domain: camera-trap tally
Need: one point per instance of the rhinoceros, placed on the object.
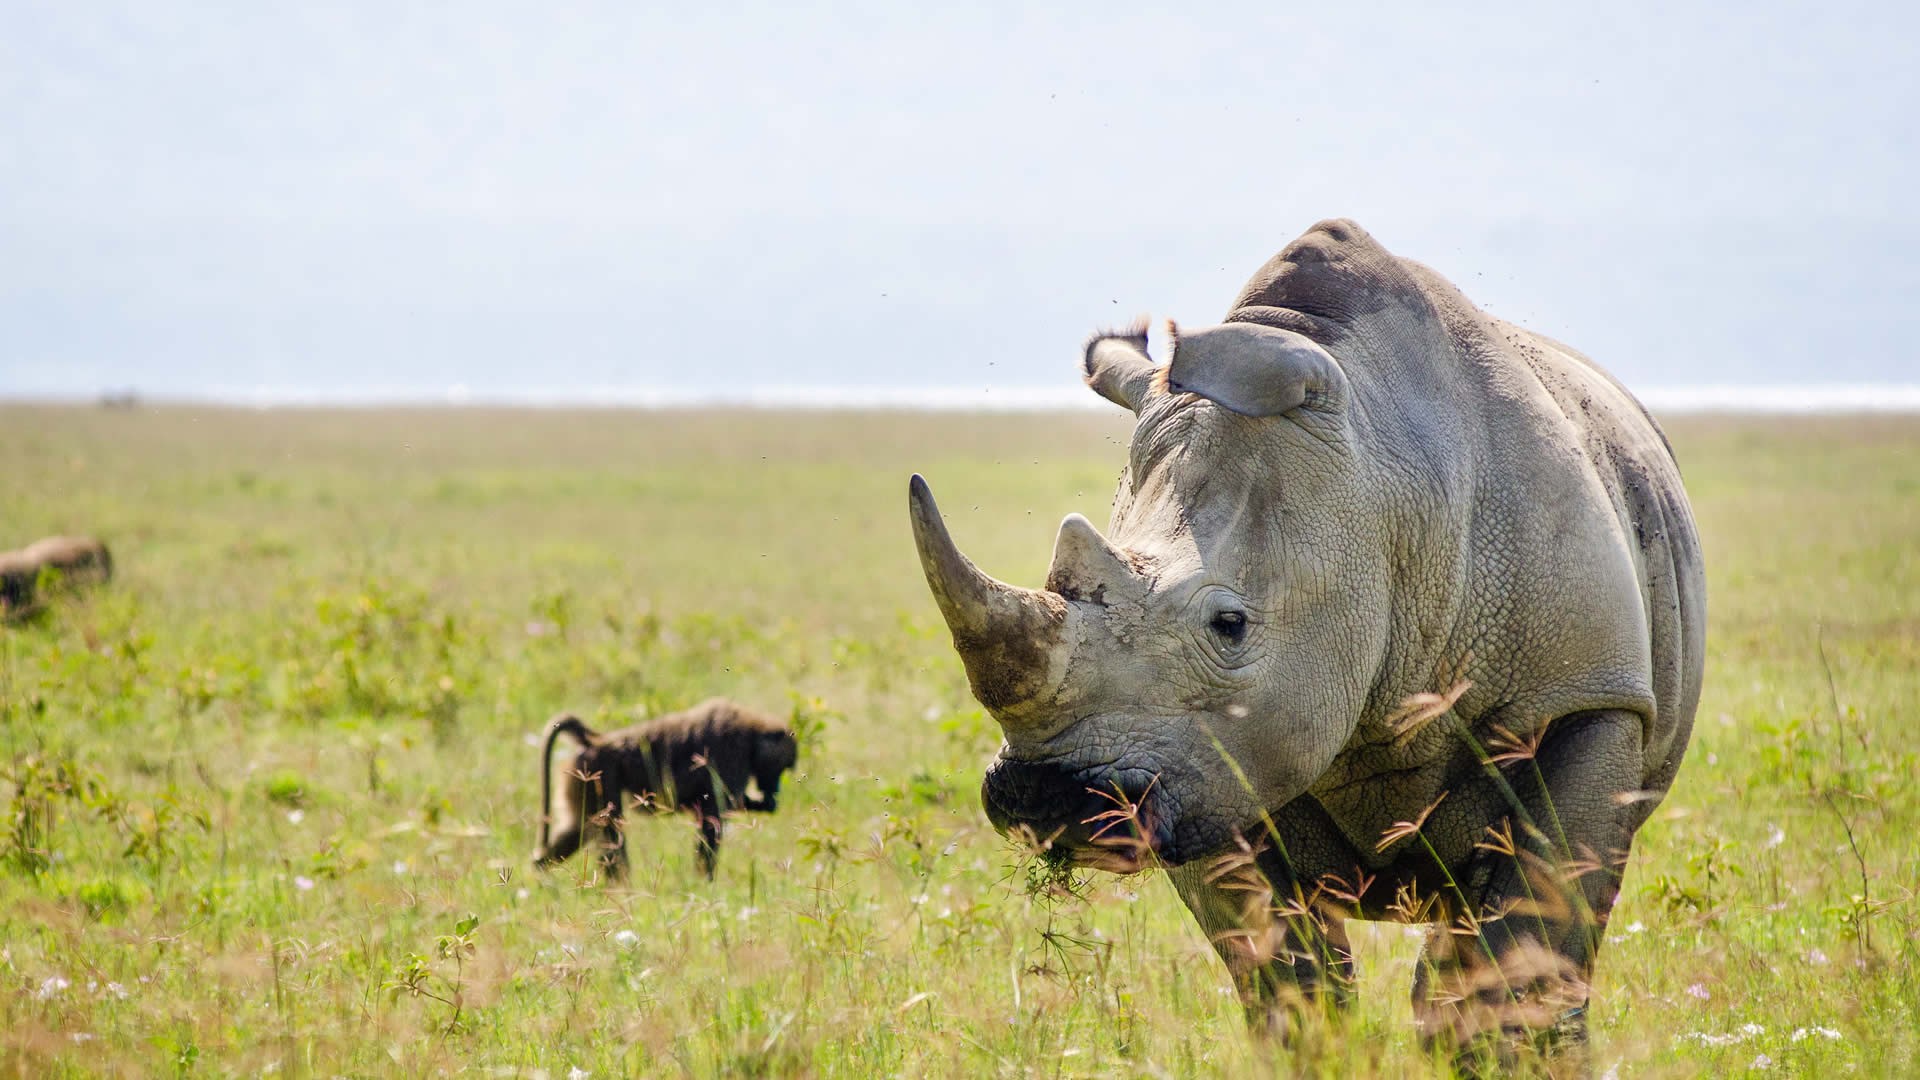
(1400, 615)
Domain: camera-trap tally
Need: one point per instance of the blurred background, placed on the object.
(796, 203)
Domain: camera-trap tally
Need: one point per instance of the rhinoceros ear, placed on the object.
(1255, 370)
(1116, 365)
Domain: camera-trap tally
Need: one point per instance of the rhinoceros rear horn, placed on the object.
(1087, 567)
(1117, 367)
(1008, 636)
(1256, 370)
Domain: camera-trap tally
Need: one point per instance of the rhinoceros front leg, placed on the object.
(1509, 981)
(1287, 953)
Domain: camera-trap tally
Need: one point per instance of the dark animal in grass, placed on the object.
(79, 559)
(699, 759)
(1401, 615)
(73, 560)
(18, 575)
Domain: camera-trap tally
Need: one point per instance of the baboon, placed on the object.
(78, 558)
(699, 759)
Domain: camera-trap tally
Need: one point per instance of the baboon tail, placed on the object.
(568, 724)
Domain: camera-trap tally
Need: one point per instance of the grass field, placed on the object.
(266, 800)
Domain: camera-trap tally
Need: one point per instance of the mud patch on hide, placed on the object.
(1007, 668)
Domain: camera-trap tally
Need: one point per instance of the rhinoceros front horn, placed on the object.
(1010, 638)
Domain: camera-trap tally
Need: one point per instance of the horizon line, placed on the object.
(1700, 398)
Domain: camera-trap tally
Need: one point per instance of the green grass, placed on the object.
(255, 790)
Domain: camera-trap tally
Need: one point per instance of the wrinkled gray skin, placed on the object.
(1359, 489)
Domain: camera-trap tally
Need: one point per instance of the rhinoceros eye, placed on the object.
(1230, 625)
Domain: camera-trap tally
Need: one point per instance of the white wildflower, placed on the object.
(1800, 1034)
(1761, 1061)
(302, 882)
(625, 938)
(399, 866)
(521, 894)
(1636, 927)
(1731, 1038)
(1699, 990)
(54, 984)
(1775, 835)
(295, 817)
(117, 990)
(577, 1073)
(1612, 1073)
(1815, 956)
(1707, 1038)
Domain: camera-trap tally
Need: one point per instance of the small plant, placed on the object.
(182, 1051)
(151, 828)
(414, 975)
(39, 784)
(820, 841)
(440, 707)
(920, 789)
(810, 718)
(553, 612)
(104, 898)
(285, 787)
(1049, 873)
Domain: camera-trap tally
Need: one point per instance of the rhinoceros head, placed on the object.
(1205, 661)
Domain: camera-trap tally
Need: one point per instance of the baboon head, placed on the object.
(774, 752)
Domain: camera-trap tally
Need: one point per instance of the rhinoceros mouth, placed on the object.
(1118, 819)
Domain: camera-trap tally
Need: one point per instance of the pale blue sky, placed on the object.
(352, 199)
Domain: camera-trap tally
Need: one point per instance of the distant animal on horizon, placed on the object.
(79, 560)
(699, 759)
